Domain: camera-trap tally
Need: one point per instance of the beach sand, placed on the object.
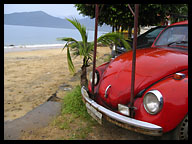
(31, 77)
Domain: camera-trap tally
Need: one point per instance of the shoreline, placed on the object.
(23, 48)
(31, 77)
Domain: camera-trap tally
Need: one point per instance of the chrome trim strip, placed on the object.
(159, 97)
(180, 74)
(106, 91)
(151, 129)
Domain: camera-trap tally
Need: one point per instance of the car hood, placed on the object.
(152, 64)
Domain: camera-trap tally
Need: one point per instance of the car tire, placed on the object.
(181, 131)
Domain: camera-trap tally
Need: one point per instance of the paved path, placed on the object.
(36, 118)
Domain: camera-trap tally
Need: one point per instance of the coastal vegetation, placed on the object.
(85, 48)
(31, 77)
(119, 15)
(74, 112)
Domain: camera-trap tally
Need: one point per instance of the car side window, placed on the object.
(173, 34)
(154, 33)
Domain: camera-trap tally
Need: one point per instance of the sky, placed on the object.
(57, 10)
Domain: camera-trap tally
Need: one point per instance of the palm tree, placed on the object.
(85, 48)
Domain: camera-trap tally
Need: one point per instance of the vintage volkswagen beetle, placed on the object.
(144, 40)
(161, 87)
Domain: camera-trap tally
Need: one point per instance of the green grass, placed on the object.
(73, 104)
(74, 117)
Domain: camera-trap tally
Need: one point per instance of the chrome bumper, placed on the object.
(123, 121)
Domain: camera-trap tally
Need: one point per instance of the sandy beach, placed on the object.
(31, 77)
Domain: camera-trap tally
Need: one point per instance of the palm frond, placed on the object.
(113, 38)
(70, 63)
(66, 39)
(82, 30)
(89, 49)
(69, 41)
(84, 48)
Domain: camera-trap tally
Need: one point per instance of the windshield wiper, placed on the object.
(178, 42)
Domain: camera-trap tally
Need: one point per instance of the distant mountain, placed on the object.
(42, 19)
(90, 24)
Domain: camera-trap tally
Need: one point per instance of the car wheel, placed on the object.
(181, 132)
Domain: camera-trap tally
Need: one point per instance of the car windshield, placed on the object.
(155, 32)
(175, 35)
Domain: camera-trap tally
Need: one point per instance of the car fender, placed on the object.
(175, 104)
(100, 70)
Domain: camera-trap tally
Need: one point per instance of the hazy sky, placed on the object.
(58, 10)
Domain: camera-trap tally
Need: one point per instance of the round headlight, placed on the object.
(96, 77)
(153, 101)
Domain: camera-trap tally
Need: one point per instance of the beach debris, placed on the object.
(54, 97)
(65, 87)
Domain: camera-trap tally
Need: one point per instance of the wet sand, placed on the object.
(31, 77)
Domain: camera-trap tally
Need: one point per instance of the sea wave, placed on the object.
(20, 48)
(34, 46)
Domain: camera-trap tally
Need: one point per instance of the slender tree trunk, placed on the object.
(84, 81)
(122, 29)
(113, 28)
(117, 28)
(129, 32)
(139, 30)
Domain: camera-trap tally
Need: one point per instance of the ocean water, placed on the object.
(39, 37)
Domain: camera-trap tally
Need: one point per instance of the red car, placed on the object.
(161, 87)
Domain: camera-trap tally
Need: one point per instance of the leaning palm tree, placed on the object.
(85, 48)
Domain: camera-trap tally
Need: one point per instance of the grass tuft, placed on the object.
(74, 117)
(73, 104)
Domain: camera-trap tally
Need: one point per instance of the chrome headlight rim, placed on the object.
(158, 96)
(96, 77)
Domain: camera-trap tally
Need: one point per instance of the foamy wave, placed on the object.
(34, 46)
